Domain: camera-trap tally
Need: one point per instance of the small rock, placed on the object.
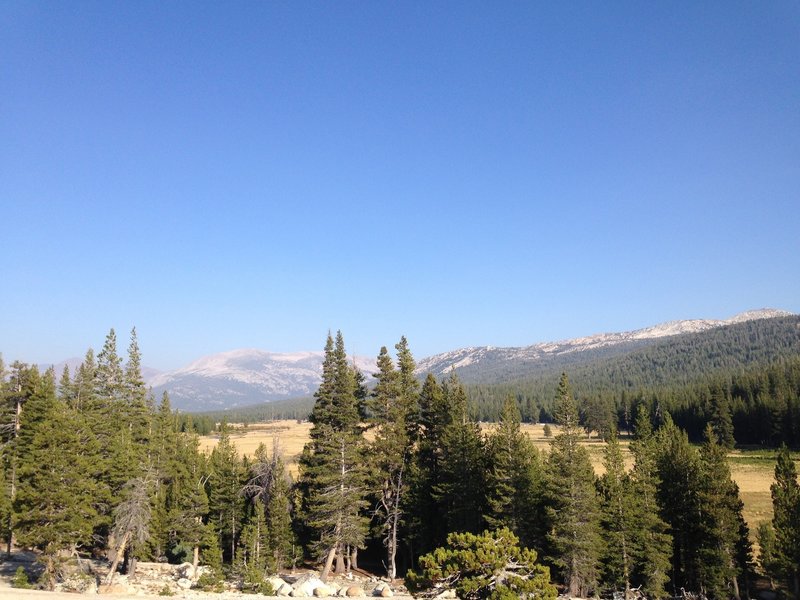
(275, 582)
(354, 591)
(387, 592)
(322, 591)
(445, 595)
(184, 583)
(284, 591)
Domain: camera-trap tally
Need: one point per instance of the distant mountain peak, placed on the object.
(470, 357)
(245, 376)
(249, 376)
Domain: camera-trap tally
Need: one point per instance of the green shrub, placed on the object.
(210, 582)
(490, 566)
(21, 579)
(253, 582)
(166, 591)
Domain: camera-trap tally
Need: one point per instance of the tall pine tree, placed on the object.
(573, 504)
(724, 550)
(393, 418)
(333, 478)
(225, 501)
(460, 490)
(652, 549)
(786, 518)
(55, 502)
(515, 480)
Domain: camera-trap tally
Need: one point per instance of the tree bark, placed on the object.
(195, 561)
(117, 558)
(328, 563)
(340, 566)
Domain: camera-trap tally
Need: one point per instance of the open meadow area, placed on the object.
(752, 470)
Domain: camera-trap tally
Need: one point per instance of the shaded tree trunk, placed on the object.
(328, 564)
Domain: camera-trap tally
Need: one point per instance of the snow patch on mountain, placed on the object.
(456, 359)
(246, 376)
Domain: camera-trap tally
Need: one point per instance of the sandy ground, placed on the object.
(9, 565)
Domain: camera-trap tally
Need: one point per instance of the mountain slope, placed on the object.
(246, 377)
(488, 364)
(242, 377)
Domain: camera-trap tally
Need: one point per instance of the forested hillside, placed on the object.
(91, 465)
(751, 368)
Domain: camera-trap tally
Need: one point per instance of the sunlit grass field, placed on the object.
(752, 470)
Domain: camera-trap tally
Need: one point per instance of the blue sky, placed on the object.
(253, 174)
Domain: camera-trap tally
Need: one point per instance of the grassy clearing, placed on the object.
(751, 469)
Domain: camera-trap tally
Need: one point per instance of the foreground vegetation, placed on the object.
(399, 476)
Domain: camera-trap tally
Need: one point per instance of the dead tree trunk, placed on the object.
(118, 556)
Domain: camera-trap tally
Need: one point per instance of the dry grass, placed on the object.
(291, 436)
(753, 476)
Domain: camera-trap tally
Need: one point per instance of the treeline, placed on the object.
(677, 359)
(91, 465)
(289, 409)
(762, 403)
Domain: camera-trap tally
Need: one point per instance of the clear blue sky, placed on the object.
(252, 174)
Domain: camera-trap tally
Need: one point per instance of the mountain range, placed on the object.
(247, 376)
(489, 364)
(250, 376)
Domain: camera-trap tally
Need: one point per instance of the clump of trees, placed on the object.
(399, 474)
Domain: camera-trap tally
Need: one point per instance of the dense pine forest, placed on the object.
(399, 479)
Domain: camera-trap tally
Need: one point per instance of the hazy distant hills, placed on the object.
(250, 376)
(242, 377)
(245, 377)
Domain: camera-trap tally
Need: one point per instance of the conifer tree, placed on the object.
(768, 552)
(573, 504)
(460, 490)
(333, 480)
(131, 523)
(409, 388)
(83, 394)
(786, 518)
(269, 486)
(186, 504)
(225, 502)
(721, 418)
(678, 465)
(109, 375)
(6, 437)
(21, 386)
(721, 523)
(514, 480)
(137, 405)
(618, 518)
(426, 521)
(279, 510)
(395, 406)
(165, 464)
(652, 548)
(106, 411)
(133, 382)
(55, 501)
(253, 556)
(490, 565)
